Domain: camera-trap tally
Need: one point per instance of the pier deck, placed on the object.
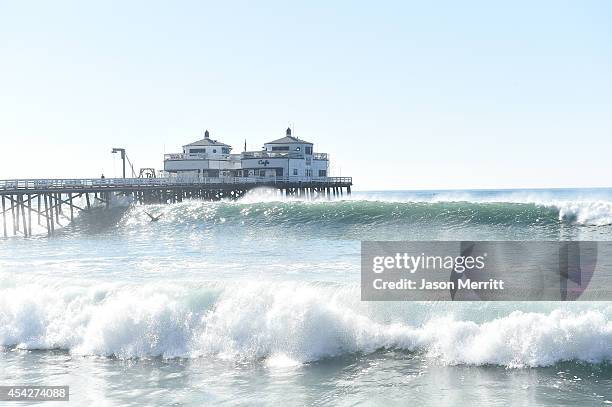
(47, 198)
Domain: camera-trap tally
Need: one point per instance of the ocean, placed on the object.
(257, 302)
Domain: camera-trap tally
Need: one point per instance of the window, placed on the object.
(308, 150)
(322, 173)
(197, 150)
(214, 150)
(295, 171)
(225, 150)
(297, 149)
(283, 148)
(262, 173)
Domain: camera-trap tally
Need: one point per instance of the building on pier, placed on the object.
(288, 157)
(203, 158)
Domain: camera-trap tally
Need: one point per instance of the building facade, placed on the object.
(203, 158)
(287, 157)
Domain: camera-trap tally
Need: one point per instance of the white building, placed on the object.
(288, 157)
(205, 158)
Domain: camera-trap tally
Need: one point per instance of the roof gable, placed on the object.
(206, 142)
(289, 140)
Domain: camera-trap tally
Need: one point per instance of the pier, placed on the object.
(51, 201)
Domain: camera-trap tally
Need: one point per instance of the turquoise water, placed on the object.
(256, 302)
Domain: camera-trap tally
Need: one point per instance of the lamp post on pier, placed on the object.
(122, 151)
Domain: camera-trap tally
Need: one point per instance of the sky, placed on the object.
(402, 95)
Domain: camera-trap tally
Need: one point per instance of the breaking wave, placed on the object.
(370, 212)
(291, 323)
(594, 213)
(362, 212)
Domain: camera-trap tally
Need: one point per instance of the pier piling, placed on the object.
(47, 216)
(38, 207)
(30, 215)
(23, 216)
(4, 216)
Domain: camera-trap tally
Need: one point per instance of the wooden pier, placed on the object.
(47, 201)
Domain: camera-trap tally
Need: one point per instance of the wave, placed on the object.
(288, 323)
(582, 210)
(594, 213)
(385, 213)
(361, 212)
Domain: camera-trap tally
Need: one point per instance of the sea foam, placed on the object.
(285, 324)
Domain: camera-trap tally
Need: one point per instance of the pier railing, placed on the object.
(37, 184)
(279, 154)
(246, 154)
(201, 156)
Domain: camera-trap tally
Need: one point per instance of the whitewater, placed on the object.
(261, 298)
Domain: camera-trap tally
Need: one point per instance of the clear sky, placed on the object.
(403, 95)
